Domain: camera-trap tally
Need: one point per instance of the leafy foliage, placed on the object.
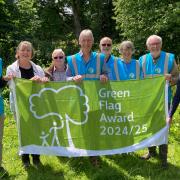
(52, 24)
(56, 24)
(136, 20)
(7, 27)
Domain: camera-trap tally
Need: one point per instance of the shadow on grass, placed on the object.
(148, 169)
(84, 165)
(44, 172)
(123, 167)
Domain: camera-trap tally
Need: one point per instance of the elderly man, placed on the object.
(105, 46)
(155, 63)
(124, 68)
(87, 65)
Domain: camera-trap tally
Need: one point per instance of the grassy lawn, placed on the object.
(124, 166)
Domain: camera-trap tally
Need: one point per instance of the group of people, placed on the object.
(89, 65)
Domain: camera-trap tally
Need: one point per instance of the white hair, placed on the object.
(153, 37)
(126, 45)
(57, 51)
(86, 32)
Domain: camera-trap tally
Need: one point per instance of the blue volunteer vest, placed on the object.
(1, 99)
(163, 65)
(126, 71)
(90, 70)
(110, 64)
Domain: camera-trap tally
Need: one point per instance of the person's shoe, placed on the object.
(3, 173)
(36, 162)
(25, 161)
(148, 156)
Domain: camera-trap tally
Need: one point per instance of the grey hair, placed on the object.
(58, 50)
(106, 38)
(86, 32)
(126, 45)
(155, 37)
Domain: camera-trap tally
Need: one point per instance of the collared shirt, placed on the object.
(127, 70)
(69, 73)
(110, 67)
(165, 64)
(153, 67)
(58, 75)
(54, 74)
(14, 69)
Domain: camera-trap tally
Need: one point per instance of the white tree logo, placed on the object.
(41, 107)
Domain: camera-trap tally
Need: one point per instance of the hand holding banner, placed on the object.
(66, 119)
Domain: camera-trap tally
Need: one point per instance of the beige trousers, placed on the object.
(1, 136)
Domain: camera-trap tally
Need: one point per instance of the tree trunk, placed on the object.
(76, 13)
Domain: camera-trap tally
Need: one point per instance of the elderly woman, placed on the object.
(128, 68)
(57, 70)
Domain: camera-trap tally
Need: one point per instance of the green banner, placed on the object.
(91, 118)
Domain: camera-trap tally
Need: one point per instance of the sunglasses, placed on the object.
(58, 57)
(106, 45)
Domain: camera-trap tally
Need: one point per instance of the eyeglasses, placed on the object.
(155, 44)
(58, 57)
(106, 45)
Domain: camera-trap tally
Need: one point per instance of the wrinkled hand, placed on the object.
(77, 78)
(39, 79)
(36, 78)
(168, 77)
(103, 78)
(44, 80)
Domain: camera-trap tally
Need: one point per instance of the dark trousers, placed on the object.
(163, 150)
(25, 157)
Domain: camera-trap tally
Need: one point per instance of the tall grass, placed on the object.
(123, 167)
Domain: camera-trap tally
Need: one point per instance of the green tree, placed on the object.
(62, 21)
(7, 26)
(101, 22)
(52, 24)
(136, 20)
(18, 22)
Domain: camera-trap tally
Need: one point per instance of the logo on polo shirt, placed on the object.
(131, 75)
(158, 70)
(91, 70)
